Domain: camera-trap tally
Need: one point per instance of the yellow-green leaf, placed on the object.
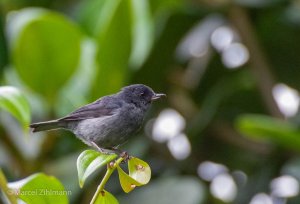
(105, 198)
(139, 174)
(139, 170)
(127, 183)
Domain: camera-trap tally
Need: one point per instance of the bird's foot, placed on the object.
(122, 154)
(125, 156)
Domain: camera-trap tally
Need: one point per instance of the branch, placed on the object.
(109, 171)
(260, 66)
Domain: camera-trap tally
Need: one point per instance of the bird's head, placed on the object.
(140, 94)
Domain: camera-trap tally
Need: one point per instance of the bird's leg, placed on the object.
(112, 150)
(125, 156)
(99, 148)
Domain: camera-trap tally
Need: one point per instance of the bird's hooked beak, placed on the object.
(157, 96)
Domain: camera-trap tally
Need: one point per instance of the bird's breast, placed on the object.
(132, 118)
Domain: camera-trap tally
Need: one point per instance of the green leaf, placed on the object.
(142, 31)
(105, 198)
(114, 47)
(139, 174)
(89, 161)
(45, 49)
(265, 128)
(80, 82)
(14, 102)
(129, 48)
(40, 189)
(165, 7)
(90, 13)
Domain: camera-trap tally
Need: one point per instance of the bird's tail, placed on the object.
(48, 125)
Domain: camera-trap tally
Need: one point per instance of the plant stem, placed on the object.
(109, 171)
(3, 185)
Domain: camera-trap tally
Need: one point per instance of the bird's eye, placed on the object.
(142, 94)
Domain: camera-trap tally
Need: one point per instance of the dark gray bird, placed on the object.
(108, 122)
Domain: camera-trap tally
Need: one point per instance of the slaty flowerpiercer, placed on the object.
(108, 122)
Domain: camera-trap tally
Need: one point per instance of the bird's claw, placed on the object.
(125, 156)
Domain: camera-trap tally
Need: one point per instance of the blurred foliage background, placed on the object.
(228, 131)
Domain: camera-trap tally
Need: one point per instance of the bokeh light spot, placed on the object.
(179, 147)
(287, 99)
(223, 187)
(168, 124)
(235, 55)
(209, 170)
(285, 186)
(261, 198)
(222, 37)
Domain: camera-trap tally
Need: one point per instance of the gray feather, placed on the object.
(48, 125)
(105, 106)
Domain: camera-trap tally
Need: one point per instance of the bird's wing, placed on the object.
(103, 107)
